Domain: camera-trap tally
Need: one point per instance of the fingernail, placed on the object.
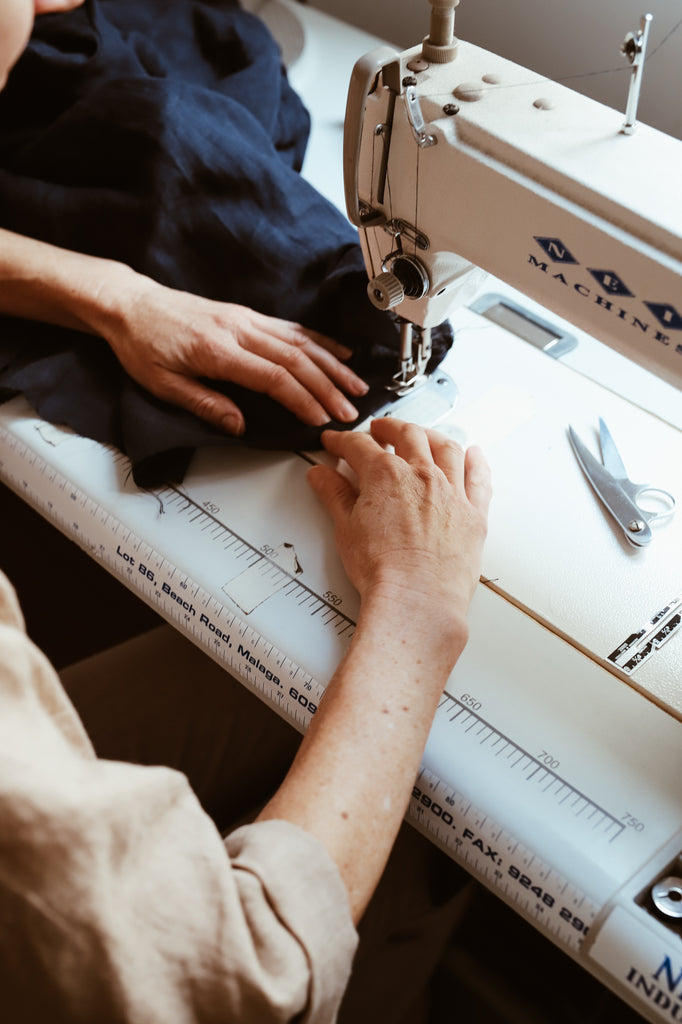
(233, 425)
(347, 412)
(360, 387)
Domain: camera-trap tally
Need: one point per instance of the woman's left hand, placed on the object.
(167, 340)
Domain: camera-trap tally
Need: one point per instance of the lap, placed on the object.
(158, 699)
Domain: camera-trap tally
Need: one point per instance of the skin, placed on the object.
(168, 339)
(16, 23)
(410, 536)
(410, 530)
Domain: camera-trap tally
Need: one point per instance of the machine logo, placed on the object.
(610, 281)
(666, 314)
(556, 250)
(662, 989)
(612, 286)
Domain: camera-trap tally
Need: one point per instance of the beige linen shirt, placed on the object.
(120, 902)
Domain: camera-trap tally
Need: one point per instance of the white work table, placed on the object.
(549, 773)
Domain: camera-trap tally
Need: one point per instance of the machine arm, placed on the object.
(475, 162)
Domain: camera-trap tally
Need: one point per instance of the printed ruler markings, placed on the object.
(468, 835)
(296, 587)
(257, 669)
(458, 714)
(653, 635)
(500, 861)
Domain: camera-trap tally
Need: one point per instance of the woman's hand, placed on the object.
(415, 524)
(410, 536)
(53, 6)
(167, 339)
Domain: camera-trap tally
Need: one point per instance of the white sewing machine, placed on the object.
(455, 159)
(551, 772)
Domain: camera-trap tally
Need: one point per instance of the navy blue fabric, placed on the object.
(164, 133)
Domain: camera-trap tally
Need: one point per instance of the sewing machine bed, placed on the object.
(553, 549)
(549, 773)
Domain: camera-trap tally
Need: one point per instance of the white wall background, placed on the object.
(556, 38)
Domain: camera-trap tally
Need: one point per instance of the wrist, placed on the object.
(429, 621)
(106, 293)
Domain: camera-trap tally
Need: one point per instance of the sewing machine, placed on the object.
(551, 773)
(455, 159)
(456, 162)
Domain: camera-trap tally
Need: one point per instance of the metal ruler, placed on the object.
(151, 541)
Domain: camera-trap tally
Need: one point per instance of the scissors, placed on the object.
(613, 486)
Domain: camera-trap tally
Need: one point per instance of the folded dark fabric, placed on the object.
(166, 136)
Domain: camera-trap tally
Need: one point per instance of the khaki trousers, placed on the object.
(158, 699)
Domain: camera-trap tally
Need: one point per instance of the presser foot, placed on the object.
(417, 396)
(425, 403)
(415, 353)
(404, 382)
(427, 406)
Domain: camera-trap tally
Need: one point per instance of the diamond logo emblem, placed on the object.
(610, 281)
(556, 250)
(666, 315)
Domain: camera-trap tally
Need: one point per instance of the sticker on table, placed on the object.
(266, 577)
(638, 647)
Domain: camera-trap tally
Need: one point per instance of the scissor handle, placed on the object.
(635, 492)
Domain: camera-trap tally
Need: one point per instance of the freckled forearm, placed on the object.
(351, 781)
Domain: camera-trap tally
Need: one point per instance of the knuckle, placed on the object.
(280, 384)
(276, 377)
(216, 347)
(294, 359)
(298, 338)
(203, 407)
(431, 479)
(454, 446)
(407, 429)
(392, 468)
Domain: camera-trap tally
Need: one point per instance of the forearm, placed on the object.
(172, 342)
(351, 780)
(42, 282)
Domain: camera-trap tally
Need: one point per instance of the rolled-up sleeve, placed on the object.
(277, 863)
(120, 901)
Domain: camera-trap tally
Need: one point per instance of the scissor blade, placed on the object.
(610, 454)
(607, 489)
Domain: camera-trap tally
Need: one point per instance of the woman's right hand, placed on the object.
(416, 522)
